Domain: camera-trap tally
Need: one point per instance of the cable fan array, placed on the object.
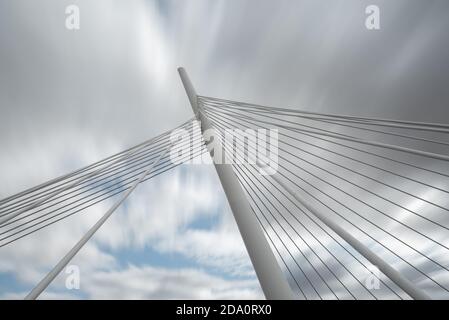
(39, 207)
(385, 181)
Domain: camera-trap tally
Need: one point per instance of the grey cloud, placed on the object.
(115, 83)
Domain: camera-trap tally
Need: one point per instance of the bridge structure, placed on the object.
(357, 208)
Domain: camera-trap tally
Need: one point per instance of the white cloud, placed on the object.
(71, 98)
(220, 247)
(159, 215)
(95, 113)
(45, 296)
(163, 206)
(148, 282)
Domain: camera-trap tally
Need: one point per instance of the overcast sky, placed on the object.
(68, 98)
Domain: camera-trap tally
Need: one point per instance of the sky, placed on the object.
(69, 98)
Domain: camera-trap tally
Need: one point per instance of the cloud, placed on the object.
(220, 247)
(148, 282)
(161, 214)
(80, 116)
(70, 98)
(44, 296)
(165, 205)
